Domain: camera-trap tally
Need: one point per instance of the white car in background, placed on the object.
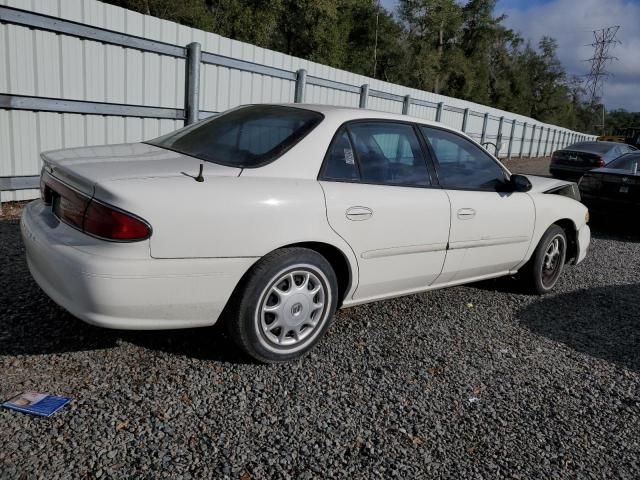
(273, 216)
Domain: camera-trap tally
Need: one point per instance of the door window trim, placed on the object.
(426, 155)
(504, 170)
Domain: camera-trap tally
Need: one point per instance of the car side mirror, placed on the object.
(519, 183)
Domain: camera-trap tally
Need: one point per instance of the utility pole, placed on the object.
(604, 40)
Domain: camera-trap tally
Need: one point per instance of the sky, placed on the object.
(571, 23)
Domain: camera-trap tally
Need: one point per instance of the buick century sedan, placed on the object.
(270, 217)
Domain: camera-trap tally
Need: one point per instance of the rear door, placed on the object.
(490, 229)
(381, 200)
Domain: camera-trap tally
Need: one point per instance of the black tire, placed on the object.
(537, 275)
(249, 317)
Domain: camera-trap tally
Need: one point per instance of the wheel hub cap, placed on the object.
(551, 263)
(292, 307)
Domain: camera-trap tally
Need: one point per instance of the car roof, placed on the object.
(350, 113)
(601, 142)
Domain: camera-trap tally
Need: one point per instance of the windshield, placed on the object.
(245, 137)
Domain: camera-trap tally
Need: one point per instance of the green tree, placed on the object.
(457, 48)
(433, 31)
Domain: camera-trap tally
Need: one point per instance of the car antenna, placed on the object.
(200, 178)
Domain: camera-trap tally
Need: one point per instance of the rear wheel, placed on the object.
(284, 306)
(545, 267)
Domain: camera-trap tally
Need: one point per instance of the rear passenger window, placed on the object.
(340, 163)
(389, 153)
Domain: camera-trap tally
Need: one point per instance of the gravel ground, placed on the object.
(481, 381)
(533, 166)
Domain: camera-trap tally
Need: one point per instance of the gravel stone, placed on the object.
(480, 381)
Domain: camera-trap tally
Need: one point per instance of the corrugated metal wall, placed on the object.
(45, 64)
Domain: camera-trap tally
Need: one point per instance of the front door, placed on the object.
(379, 199)
(490, 229)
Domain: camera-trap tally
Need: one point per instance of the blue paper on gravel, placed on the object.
(36, 403)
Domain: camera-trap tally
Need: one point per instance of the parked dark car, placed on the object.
(614, 188)
(572, 162)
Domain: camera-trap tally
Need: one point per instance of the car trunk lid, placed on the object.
(84, 167)
(612, 183)
(577, 158)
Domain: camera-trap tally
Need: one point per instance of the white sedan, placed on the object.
(273, 216)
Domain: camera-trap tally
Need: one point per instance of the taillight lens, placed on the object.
(106, 222)
(68, 204)
(91, 216)
(601, 162)
(70, 207)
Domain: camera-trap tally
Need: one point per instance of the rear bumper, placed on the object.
(567, 172)
(120, 285)
(610, 205)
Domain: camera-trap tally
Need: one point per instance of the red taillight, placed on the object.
(106, 222)
(601, 162)
(91, 216)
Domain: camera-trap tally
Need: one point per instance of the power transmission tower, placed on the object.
(604, 40)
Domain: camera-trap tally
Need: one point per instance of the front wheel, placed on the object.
(284, 305)
(547, 262)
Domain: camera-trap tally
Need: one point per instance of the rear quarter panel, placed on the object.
(225, 216)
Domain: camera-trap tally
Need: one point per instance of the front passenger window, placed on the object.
(462, 164)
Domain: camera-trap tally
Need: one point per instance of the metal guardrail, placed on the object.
(194, 57)
(44, 104)
(11, 184)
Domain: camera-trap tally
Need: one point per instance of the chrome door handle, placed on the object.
(358, 213)
(466, 213)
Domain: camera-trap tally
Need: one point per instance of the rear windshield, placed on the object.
(246, 137)
(626, 162)
(595, 147)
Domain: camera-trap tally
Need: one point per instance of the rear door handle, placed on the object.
(466, 213)
(358, 213)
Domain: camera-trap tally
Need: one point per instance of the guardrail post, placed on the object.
(364, 95)
(406, 104)
(499, 136)
(546, 142)
(539, 141)
(485, 120)
(301, 82)
(439, 111)
(513, 129)
(533, 136)
(524, 136)
(553, 141)
(465, 119)
(192, 84)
